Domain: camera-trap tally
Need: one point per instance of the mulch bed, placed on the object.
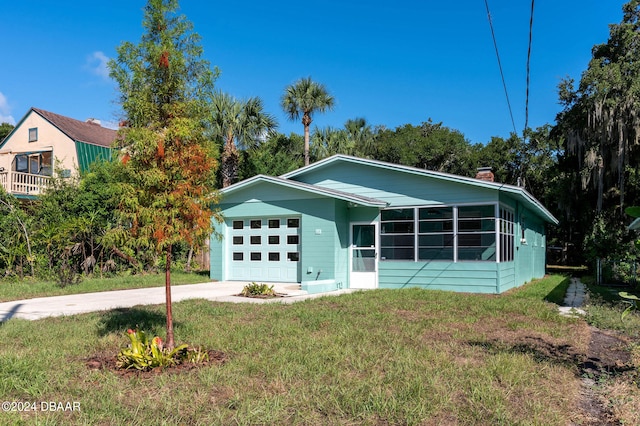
(107, 362)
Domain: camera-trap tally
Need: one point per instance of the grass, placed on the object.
(605, 308)
(374, 358)
(26, 289)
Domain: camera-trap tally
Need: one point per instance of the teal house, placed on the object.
(347, 222)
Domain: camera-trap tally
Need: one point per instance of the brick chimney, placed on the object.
(485, 174)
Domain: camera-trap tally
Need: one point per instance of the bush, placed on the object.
(253, 290)
(144, 354)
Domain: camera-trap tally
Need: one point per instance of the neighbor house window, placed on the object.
(36, 164)
(21, 163)
(33, 134)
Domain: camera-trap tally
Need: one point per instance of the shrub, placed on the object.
(253, 289)
(144, 354)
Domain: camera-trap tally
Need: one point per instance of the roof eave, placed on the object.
(305, 187)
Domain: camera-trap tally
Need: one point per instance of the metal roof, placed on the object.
(513, 190)
(352, 198)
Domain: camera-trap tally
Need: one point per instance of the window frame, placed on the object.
(485, 228)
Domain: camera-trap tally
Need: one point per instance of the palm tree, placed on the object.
(239, 121)
(360, 133)
(329, 141)
(303, 98)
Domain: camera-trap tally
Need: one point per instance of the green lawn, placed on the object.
(26, 289)
(377, 357)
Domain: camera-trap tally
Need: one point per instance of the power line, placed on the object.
(504, 84)
(526, 104)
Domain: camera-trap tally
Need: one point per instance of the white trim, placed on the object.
(376, 230)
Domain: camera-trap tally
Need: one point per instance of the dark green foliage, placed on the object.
(71, 218)
(15, 246)
(277, 155)
(600, 127)
(5, 129)
(428, 146)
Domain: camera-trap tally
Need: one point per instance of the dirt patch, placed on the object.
(607, 359)
(107, 361)
(608, 353)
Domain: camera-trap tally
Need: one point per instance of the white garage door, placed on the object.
(265, 249)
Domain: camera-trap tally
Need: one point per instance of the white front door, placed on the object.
(363, 260)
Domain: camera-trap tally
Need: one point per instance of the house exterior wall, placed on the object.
(472, 277)
(49, 137)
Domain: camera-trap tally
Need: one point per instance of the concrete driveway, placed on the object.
(225, 291)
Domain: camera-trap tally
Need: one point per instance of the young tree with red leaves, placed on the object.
(165, 86)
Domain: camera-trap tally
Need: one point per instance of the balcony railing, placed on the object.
(23, 183)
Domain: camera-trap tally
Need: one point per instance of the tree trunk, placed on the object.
(170, 343)
(189, 259)
(306, 144)
(229, 162)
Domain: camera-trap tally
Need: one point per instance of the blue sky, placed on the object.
(392, 63)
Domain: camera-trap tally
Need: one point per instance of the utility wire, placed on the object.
(504, 84)
(526, 105)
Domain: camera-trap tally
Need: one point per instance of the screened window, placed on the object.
(238, 240)
(238, 224)
(449, 233)
(435, 233)
(274, 239)
(256, 224)
(293, 223)
(397, 234)
(46, 163)
(506, 234)
(477, 233)
(256, 239)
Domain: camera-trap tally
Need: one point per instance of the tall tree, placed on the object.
(244, 122)
(428, 146)
(302, 99)
(600, 125)
(276, 156)
(165, 85)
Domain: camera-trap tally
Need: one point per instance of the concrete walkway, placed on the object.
(574, 299)
(226, 291)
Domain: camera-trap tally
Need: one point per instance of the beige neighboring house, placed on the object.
(43, 141)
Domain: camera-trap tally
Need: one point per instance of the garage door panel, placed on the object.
(265, 249)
